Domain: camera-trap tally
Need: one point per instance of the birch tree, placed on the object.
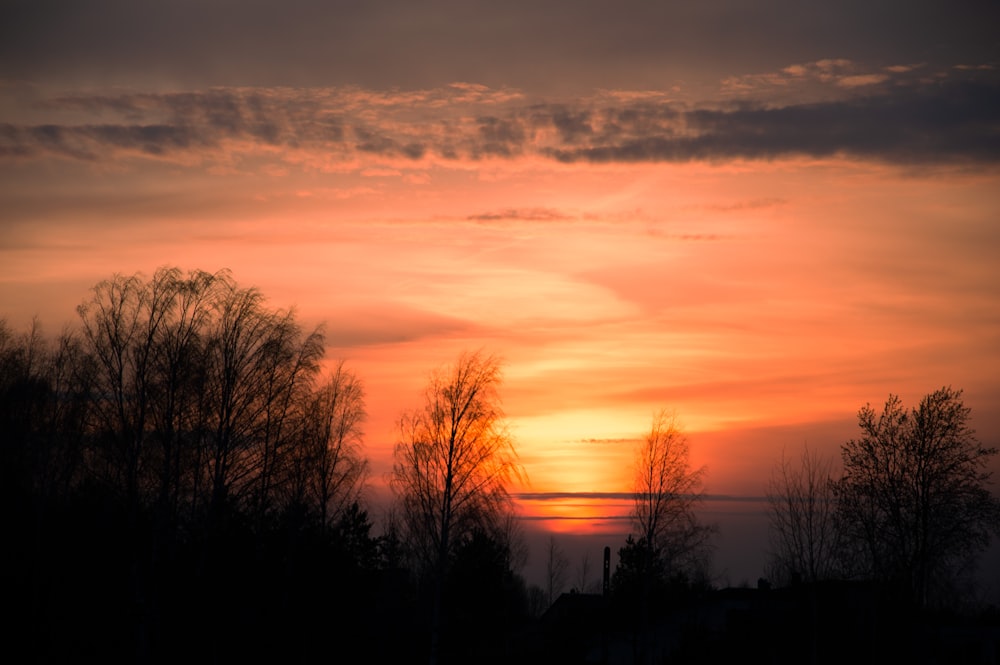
(801, 518)
(453, 463)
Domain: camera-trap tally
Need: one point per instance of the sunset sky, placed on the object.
(760, 215)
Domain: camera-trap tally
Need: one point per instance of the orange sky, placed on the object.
(744, 296)
(762, 242)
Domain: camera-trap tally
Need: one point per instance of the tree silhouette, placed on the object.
(801, 512)
(326, 471)
(583, 583)
(203, 393)
(453, 462)
(152, 465)
(671, 547)
(179, 380)
(666, 492)
(556, 569)
(913, 503)
(260, 366)
(486, 598)
(121, 324)
(178, 476)
(802, 528)
(45, 398)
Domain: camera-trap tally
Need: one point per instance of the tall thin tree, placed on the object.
(453, 463)
(801, 518)
(666, 492)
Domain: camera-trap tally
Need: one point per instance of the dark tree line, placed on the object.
(182, 480)
(911, 510)
(170, 466)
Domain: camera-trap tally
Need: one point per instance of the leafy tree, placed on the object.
(801, 519)
(913, 503)
(453, 462)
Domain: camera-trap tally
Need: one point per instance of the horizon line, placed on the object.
(626, 496)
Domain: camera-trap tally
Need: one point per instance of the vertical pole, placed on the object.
(607, 570)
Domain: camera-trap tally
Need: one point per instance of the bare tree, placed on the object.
(801, 515)
(536, 601)
(289, 363)
(666, 492)
(198, 384)
(327, 470)
(259, 365)
(671, 545)
(121, 324)
(45, 393)
(239, 337)
(179, 374)
(556, 569)
(510, 534)
(182, 394)
(913, 501)
(453, 463)
(803, 529)
(583, 583)
(146, 338)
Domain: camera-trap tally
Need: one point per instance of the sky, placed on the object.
(760, 216)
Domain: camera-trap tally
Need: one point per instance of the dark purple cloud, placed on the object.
(943, 123)
(951, 118)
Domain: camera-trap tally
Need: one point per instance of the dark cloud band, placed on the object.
(949, 122)
(959, 122)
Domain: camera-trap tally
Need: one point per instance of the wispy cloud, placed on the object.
(751, 204)
(835, 72)
(612, 441)
(522, 214)
(399, 324)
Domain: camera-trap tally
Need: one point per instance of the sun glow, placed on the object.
(581, 514)
(576, 450)
(760, 299)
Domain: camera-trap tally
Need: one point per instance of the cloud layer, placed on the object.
(950, 119)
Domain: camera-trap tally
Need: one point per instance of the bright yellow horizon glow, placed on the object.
(579, 515)
(576, 451)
